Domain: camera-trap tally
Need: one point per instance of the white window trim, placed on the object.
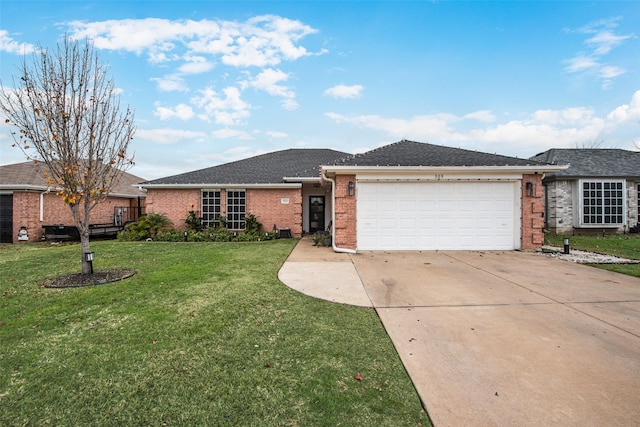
(580, 217)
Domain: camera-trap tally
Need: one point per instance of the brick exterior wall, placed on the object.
(175, 204)
(345, 225)
(26, 212)
(532, 213)
(268, 208)
(265, 204)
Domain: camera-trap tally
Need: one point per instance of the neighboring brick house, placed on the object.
(403, 196)
(27, 203)
(597, 193)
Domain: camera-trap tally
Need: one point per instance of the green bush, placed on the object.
(147, 227)
(155, 227)
(170, 236)
(252, 226)
(193, 222)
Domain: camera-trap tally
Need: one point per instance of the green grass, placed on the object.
(204, 334)
(625, 246)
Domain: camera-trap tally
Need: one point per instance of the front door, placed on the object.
(316, 213)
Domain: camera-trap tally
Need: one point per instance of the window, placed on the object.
(602, 203)
(236, 209)
(211, 208)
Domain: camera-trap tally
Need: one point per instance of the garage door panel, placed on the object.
(429, 216)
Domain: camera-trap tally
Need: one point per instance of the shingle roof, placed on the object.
(592, 162)
(268, 168)
(411, 153)
(28, 175)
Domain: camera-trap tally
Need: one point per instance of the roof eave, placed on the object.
(302, 179)
(218, 185)
(23, 187)
(540, 169)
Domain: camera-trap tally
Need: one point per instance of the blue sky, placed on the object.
(216, 81)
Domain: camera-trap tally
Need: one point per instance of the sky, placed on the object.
(217, 81)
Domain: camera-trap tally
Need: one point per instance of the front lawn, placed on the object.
(625, 246)
(204, 334)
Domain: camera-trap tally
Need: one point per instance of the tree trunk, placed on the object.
(87, 267)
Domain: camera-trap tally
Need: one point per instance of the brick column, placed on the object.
(345, 221)
(532, 212)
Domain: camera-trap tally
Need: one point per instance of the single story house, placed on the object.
(402, 196)
(598, 192)
(27, 204)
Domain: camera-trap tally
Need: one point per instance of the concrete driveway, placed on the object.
(511, 338)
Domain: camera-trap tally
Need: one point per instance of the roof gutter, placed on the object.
(333, 216)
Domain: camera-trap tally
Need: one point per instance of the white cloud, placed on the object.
(8, 44)
(196, 65)
(227, 111)
(189, 47)
(602, 41)
(230, 133)
(569, 116)
(538, 131)
(481, 116)
(580, 62)
(427, 127)
(171, 83)
(169, 136)
(230, 155)
(181, 111)
(274, 134)
(531, 135)
(344, 91)
(289, 104)
(627, 112)
(610, 72)
(260, 41)
(268, 80)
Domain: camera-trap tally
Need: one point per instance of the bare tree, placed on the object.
(67, 114)
(595, 143)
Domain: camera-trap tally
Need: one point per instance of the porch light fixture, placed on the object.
(531, 189)
(352, 188)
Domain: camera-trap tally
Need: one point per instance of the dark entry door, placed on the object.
(316, 213)
(6, 218)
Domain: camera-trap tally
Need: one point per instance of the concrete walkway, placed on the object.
(496, 338)
(320, 272)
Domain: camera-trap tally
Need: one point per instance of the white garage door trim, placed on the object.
(444, 215)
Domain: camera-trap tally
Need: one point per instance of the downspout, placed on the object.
(42, 193)
(333, 216)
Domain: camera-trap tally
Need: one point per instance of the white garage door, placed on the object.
(443, 215)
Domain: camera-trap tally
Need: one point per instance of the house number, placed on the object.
(439, 176)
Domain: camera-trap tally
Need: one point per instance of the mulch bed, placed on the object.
(97, 278)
